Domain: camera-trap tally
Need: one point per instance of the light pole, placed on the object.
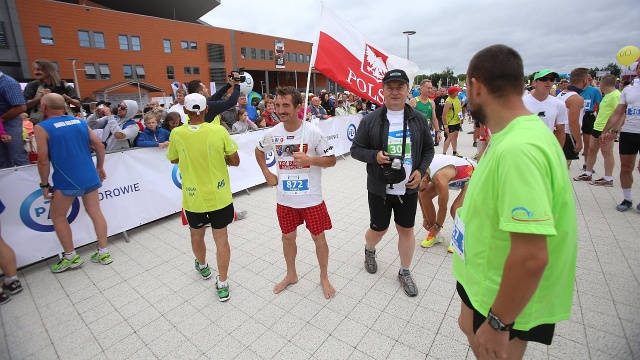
(408, 33)
(75, 76)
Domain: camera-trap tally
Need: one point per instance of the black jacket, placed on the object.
(366, 145)
(218, 106)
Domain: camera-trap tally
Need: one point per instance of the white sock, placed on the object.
(588, 173)
(608, 178)
(627, 194)
(70, 256)
(402, 269)
(202, 266)
(102, 252)
(221, 284)
(9, 280)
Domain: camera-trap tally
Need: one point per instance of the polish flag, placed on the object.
(345, 56)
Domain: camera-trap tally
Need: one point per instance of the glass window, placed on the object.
(263, 54)
(3, 36)
(83, 37)
(128, 72)
(253, 53)
(105, 74)
(301, 58)
(308, 59)
(140, 72)
(196, 70)
(270, 54)
(46, 35)
(194, 45)
(90, 70)
(286, 57)
(167, 46)
(184, 44)
(98, 40)
(187, 70)
(243, 52)
(124, 42)
(170, 74)
(55, 65)
(135, 42)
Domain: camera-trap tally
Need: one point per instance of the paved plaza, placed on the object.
(150, 303)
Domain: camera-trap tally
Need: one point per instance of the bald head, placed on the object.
(52, 104)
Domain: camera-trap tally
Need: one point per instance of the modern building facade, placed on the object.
(104, 45)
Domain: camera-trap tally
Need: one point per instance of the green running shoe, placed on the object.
(65, 264)
(223, 292)
(205, 273)
(104, 259)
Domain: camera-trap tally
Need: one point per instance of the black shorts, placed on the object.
(629, 143)
(587, 123)
(568, 148)
(596, 133)
(454, 128)
(542, 333)
(218, 219)
(403, 206)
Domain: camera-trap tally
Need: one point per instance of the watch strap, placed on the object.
(493, 320)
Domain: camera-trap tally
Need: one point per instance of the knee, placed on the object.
(289, 238)
(465, 327)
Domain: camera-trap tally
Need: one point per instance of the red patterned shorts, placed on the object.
(316, 217)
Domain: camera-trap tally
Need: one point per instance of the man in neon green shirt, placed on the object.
(202, 151)
(515, 236)
(452, 118)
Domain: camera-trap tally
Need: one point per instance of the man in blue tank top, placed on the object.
(66, 143)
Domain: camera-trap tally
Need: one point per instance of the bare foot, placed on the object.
(288, 280)
(327, 289)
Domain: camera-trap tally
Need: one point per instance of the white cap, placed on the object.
(195, 103)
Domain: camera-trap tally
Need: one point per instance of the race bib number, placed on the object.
(587, 105)
(457, 237)
(295, 184)
(633, 110)
(460, 116)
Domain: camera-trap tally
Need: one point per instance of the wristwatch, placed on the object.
(436, 226)
(45, 186)
(496, 324)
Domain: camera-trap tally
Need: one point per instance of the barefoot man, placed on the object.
(299, 194)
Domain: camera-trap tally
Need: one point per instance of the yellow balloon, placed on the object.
(628, 55)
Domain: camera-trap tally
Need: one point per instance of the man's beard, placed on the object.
(478, 114)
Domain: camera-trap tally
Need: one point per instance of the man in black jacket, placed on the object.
(379, 138)
(216, 103)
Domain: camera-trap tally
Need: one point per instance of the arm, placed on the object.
(412, 102)
(304, 160)
(13, 112)
(574, 105)
(31, 96)
(44, 166)
(233, 159)
(71, 97)
(560, 134)
(361, 144)
(445, 110)
(614, 123)
(220, 93)
(217, 107)
(435, 124)
(144, 140)
(270, 177)
(130, 132)
(97, 145)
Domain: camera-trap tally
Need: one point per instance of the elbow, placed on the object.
(22, 108)
(535, 264)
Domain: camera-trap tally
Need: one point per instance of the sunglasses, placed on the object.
(546, 78)
(122, 107)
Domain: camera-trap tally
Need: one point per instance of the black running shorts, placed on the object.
(629, 143)
(403, 207)
(218, 219)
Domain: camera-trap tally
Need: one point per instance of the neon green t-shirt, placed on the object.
(200, 150)
(455, 111)
(607, 106)
(521, 185)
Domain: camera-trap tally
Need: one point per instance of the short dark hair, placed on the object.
(608, 80)
(577, 75)
(499, 68)
(194, 86)
(290, 90)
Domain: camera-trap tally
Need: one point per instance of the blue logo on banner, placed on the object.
(270, 157)
(177, 178)
(351, 132)
(2, 207)
(34, 212)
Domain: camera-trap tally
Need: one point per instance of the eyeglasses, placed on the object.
(122, 107)
(546, 78)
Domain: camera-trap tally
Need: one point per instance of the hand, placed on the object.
(46, 91)
(102, 174)
(5, 138)
(163, 144)
(46, 192)
(414, 180)
(492, 344)
(578, 146)
(382, 157)
(433, 231)
(439, 136)
(272, 179)
(234, 74)
(426, 224)
(302, 159)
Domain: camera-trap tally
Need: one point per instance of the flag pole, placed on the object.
(312, 61)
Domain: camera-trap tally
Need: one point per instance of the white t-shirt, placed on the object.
(394, 147)
(297, 187)
(179, 108)
(563, 96)
(631, 97)
(551, 110)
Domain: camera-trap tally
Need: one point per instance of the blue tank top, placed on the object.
(591, 96)
(69, 153)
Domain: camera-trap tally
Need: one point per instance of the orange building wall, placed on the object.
(66, 19)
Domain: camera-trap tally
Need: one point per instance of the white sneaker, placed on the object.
(239, 215)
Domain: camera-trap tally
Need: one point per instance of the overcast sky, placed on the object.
(558, 34)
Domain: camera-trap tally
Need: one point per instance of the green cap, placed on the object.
(543, 73)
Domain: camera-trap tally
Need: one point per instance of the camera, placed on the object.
(396, 162)
(240, 78)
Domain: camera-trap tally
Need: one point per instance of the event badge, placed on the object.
(295, 184)
(460, 115)
(587, 104)
(633, 111)
(457, 237)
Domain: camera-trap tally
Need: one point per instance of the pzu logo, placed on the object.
(176, 176)
(35, 212)
(351, 132)
(270, 157)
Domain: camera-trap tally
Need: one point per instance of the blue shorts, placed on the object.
(80, 192)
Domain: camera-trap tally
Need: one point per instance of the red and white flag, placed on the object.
(342, 54)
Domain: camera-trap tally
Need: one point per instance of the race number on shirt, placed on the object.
(457, 237)
(295, 184)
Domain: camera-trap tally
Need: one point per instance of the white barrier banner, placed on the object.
(141, 186)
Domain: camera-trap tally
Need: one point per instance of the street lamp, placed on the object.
(75, 76)
(408, 33)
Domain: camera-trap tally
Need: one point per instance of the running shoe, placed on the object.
(625, 205)
(65, 264)
(455, 153)
(475, 157)
(4, 298)
(408, 285)
(13, 287)
(430, 241)
(205, 273)
(239, 215)
(475, 144)
(102, 259)
(602, 182)
(223, 292)
(583, 177)
(450, 249)
(370, 263)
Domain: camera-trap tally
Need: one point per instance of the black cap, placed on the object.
(395, 74)
(102, 102)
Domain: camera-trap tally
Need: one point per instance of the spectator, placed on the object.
(152, 135)
(327, 105)
(243, 104)
(269, 114)
(12, 104)
(47, 81)
(316, 110)
(341, 109)
(229, 116)
(119, 130)
(179, 105)
(243, 124)
(260, 122)
(171, 121)
(215, 103)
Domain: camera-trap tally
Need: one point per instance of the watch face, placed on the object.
(494, 323)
